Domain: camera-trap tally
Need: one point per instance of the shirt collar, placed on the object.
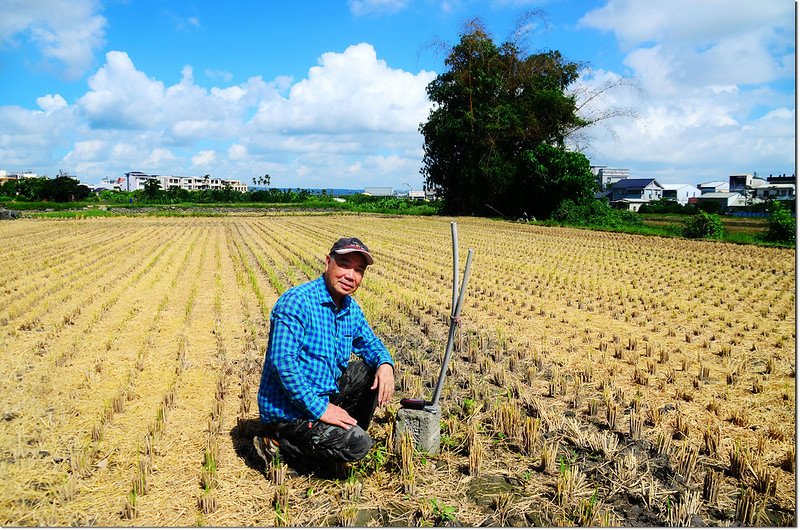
(325, 297)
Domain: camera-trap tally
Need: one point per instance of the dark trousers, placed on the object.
(305, 444)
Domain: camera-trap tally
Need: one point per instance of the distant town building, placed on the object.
(630, 194)
(740, 183)
(746, 185)
(135, 180)
(780, 188)
(782, 179)
(6, 176)
(65, 174)
(680, 193)
(715, 186)
(607, 176)
(379, 191)
(725, 199)
(776, 192)
(117, 184)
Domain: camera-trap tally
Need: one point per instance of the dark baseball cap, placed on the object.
(346, 245)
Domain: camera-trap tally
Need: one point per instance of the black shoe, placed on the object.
(267, 449)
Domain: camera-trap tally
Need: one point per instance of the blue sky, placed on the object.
(330, 94)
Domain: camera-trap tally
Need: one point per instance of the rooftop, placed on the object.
(634, 183)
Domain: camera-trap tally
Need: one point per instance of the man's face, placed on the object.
(343, 274)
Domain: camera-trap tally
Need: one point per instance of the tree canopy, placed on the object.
(495, 139)
(59, 189)
(151, 190)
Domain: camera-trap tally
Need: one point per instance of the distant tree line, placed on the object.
(59, 189)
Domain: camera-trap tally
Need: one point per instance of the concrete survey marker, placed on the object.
(423, 425)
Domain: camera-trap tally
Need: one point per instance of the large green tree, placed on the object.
(151, 189)
(60, 189)
(495, 139)
(65, 189)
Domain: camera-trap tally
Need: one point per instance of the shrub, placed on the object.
(594, 212)
(367, 203)
(115, 197)
(781, 224)
(710, 207)
(702, 225)
(667, 206)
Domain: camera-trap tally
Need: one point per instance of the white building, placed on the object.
(379, 191)
(776, 192)
(747, 185)
(5, 176)
(117, 184)
(715, 186)
(724, 199)
(680, 193)
(607, 176)
(630, 194)
(135, 180)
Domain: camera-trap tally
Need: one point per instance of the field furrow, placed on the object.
(597, 378)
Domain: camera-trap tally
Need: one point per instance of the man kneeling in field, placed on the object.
(314, 402)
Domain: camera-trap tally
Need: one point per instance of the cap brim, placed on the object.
(366, 254)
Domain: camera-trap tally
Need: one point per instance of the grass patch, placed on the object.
(63, 214)
(79, 210)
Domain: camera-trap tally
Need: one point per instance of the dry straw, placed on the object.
(112, 337)
(476, 453)
(407, 463)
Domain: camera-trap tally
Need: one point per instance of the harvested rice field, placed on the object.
(597, 378)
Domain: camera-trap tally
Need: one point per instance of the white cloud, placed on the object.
(66, 33)
(700, 43)
(51, 103)
(204, 158)
(87, 150)
(90, 157)
(32, 138)
(123, 97)
(700, 136)
(237, 152)
(352, 120)
(386, 164)
(219, 74)
(376, 7)
(705, 69)
(518, 3)
(158, 160)
(687, 22)
(184, 23)
(350, 91)
(123, 151)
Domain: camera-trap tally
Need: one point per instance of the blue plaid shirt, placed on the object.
(310, 343)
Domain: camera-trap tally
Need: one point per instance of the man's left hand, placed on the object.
(384, 382)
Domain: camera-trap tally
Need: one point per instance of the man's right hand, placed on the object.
(335, 415)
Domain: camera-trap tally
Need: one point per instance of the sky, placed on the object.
(331, 94)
